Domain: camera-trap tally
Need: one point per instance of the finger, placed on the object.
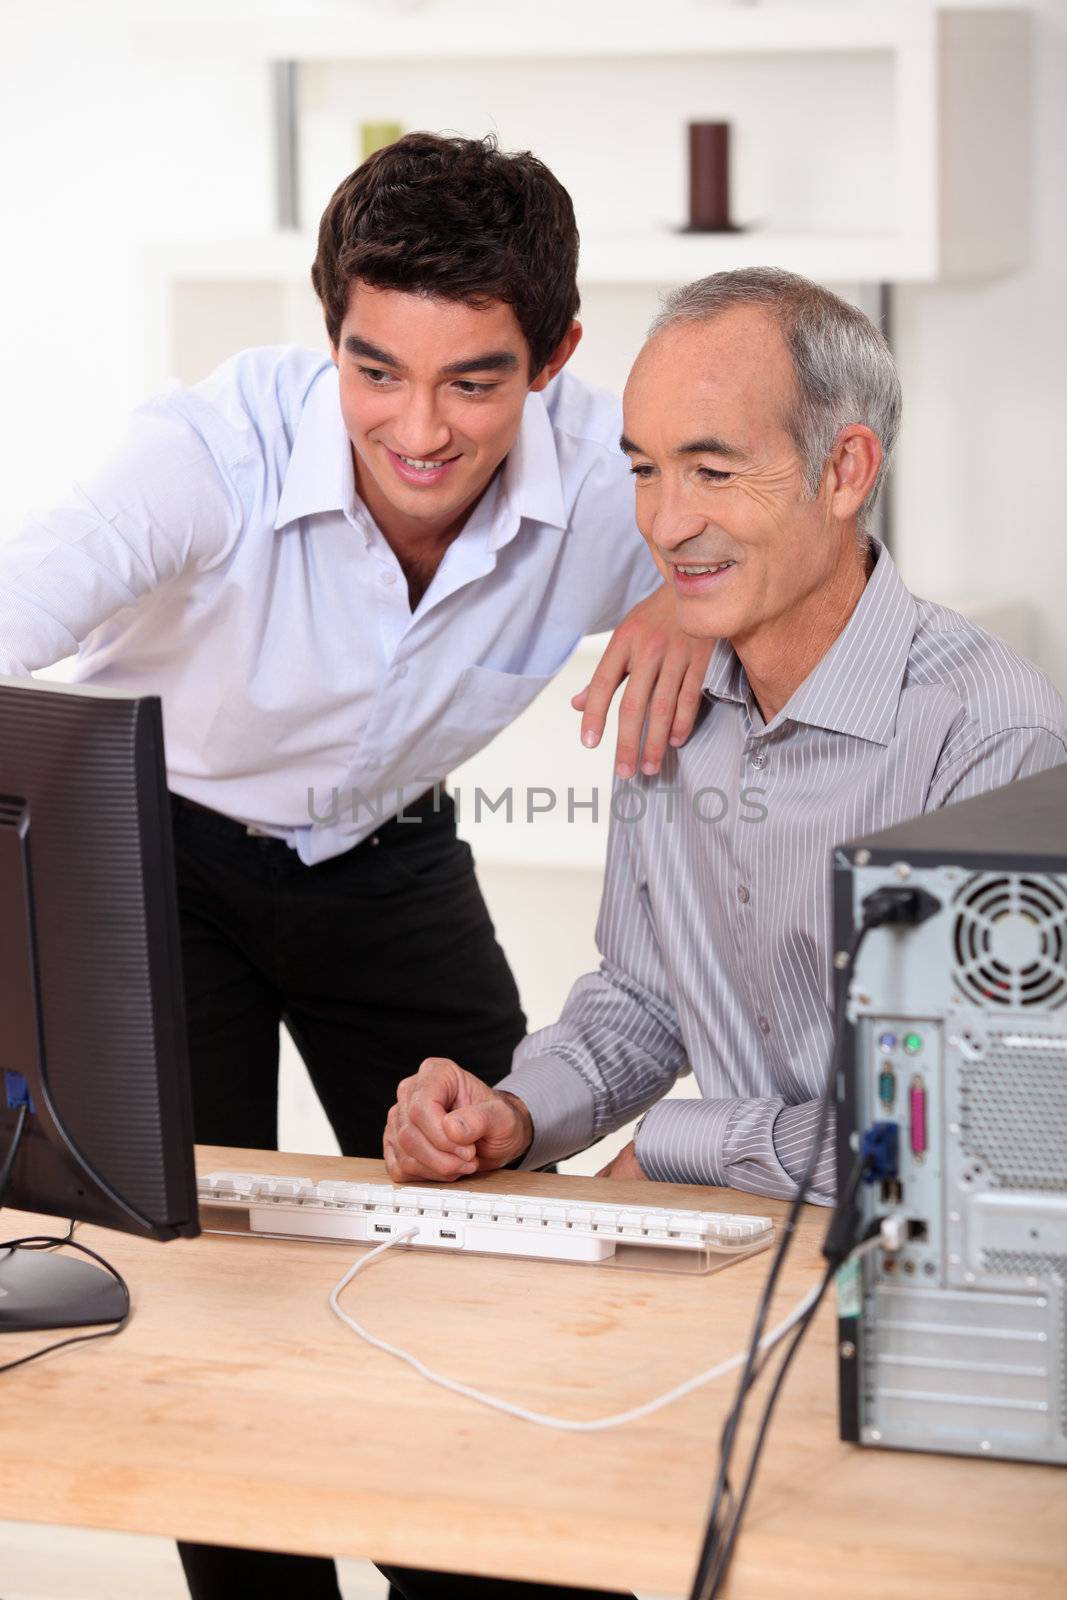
(488, 1119)
(578, 700)
(632, 709)
(424, 1159)
(600, 691)
(662, 711)
(690, 697)
(429, 1119)
(438, 1073)
(392, 1162)
(405, 1089)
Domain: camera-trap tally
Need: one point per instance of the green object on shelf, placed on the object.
(913, 1043)
(376, 135)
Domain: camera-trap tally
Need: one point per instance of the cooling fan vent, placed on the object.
(1010, 940)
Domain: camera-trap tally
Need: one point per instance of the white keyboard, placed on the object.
(469, 1219)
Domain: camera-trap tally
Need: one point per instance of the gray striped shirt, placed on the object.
(715, 926)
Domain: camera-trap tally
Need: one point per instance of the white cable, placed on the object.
(565, 1424)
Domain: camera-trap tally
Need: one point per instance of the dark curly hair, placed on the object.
(459, 219)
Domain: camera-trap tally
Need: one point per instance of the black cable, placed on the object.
(49, 1243)
(12, 1152)
(700, 1590)
(45, 1242)
(904, 906)
(39, 1241)
(721, 1565)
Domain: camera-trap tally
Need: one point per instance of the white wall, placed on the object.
(979, 485)
(100, 146)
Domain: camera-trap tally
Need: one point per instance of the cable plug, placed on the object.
(903, 904)
(893, 1232)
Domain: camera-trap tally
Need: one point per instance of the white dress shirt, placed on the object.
(224, 561)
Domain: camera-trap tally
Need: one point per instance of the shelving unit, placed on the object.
(878, 143)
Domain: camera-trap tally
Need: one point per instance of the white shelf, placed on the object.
(951, 179)
(660, 260)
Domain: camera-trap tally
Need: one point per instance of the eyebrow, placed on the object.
(693, 447)
(491, 361)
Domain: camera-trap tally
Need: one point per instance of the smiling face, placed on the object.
(721, 493)
(432, 395)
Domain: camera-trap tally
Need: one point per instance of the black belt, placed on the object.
(432, 802)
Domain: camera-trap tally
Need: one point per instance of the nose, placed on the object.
(420, 429)
(672, 527)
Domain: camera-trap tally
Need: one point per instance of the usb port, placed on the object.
(916, 1229)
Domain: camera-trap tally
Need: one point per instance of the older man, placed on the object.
(759, 420)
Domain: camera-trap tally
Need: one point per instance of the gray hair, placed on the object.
(844, 369)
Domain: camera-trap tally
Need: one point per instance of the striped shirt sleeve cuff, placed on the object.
(560, 1103)
(682, 1141)
(757, 1146)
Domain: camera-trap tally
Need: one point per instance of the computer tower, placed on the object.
(956, 1034)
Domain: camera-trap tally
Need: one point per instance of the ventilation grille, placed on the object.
(1010, 941)
(1025, 1264)
(1028, 1264)
(1013, 1111)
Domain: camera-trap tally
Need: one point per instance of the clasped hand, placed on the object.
(448, 1124)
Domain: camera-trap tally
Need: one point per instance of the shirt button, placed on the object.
(372, 763)
(387, 577)
(764, 1025)
(758, 758)
(742, 894)
(400, 672)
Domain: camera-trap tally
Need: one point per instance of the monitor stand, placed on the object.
(40, 1289)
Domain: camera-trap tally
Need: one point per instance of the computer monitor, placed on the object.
(93, 1052)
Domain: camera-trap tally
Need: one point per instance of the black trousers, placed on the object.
(374, 960)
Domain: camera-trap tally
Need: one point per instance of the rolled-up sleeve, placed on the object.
(761, 1146)
(617, 1046)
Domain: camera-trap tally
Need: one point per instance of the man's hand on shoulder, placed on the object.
(448, 1124)
(665, 668)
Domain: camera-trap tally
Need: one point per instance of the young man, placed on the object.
(344, 576)
(759, 418)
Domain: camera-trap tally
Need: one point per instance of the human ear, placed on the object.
(852, 469)
(558, 359)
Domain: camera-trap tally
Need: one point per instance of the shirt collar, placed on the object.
(320, 475)
(855, 688)
(532, 485)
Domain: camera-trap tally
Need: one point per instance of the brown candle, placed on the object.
(709, 178)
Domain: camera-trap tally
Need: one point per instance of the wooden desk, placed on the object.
(237, 1409)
